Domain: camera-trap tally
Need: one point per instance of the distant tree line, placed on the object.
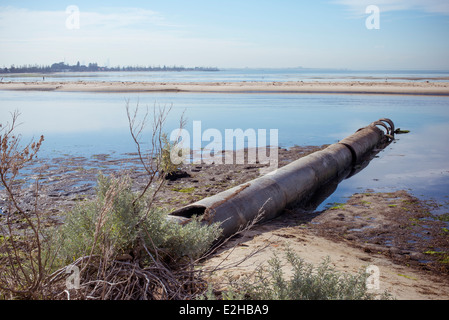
(62, 67)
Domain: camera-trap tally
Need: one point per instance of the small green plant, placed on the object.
(443, 217)
(307, 282)
(406, 276)
(337, 206)
(184, 190)
(442, 256)
(171, 150)
(400, 131)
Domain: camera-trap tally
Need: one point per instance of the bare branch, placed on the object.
(25, 275)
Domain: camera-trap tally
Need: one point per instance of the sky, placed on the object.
(405, 34)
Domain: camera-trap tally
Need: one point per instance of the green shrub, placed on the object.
(192, 239)
(168, 150)
(111, 224)
(306, 283)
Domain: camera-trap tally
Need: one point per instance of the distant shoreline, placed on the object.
(347, 87)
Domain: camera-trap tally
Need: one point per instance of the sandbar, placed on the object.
(350, 87)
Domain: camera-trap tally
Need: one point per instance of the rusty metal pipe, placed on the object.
(288, 186)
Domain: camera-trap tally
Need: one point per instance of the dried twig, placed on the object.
(27, 266)
(152, 162)
(243, 229)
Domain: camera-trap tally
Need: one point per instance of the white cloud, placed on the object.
(125, 36)
(42, 37)
(124, 17)
(23, 24)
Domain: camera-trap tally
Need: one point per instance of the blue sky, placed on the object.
(224, 34)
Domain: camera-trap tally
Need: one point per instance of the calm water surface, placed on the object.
(84, 124)
(233, 75)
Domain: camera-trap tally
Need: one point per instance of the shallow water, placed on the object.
(233, 75)
(85, 124)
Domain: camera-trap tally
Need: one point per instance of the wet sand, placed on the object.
(350, 87)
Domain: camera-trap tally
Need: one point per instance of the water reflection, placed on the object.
(92, 123)
(417, 162)
(232, 75)
(321, 197)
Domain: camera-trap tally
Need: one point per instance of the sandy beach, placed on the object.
(350, 87)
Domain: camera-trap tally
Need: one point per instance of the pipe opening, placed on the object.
(190, 211)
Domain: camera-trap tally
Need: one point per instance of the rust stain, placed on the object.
(210, 212)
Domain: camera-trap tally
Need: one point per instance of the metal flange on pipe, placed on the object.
(266, 197)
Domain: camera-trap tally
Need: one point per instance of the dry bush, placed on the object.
(24, 260)
(122, 259)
